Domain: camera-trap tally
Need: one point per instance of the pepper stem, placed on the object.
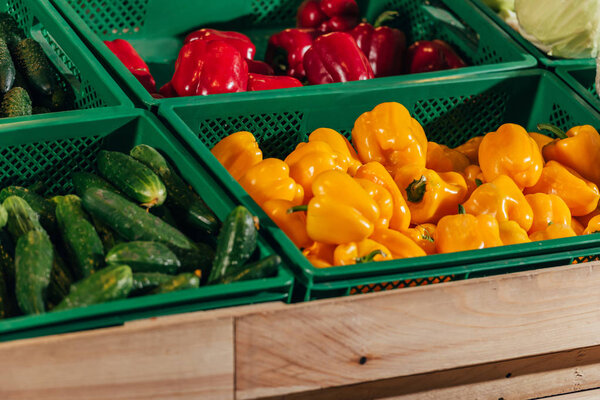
(416, 190)
(559, 133)
(461, 209)
(369, 257)
(297, 208)
(427, 236)
(385, 17)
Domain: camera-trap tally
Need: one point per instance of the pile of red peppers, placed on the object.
(330, 44)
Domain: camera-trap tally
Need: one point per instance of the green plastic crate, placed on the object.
(93, 86)
(451, 111)
(156, 29)
(50, 153)
(544, 59)
(581, 79)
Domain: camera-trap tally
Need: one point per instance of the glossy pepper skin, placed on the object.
(512, 233)
(511, 151)
(389, 135)
(237, 153)
(241, 42)
(473, 178)
(462, 232)
(470, 149)
(593, 226)
(167, 90)
(399, 244)
(547, 209)
(553, 231)
(341, 211)
(430, 195)
(310, 159)
(340, 145)
(328, 15)
(541, 139)
(383, 46)
(258, 82)
(384, 201)
(578, 149)
(286, 50)
(259, 67)
(366, 250)
(134, 63)
(435, 55)
(578, 228)
(423, 236)
(335, 57)
(375, 172)
(585, 219)
(580, 195)
(441, 158)
(292, 224)
(270, 179)
(209, 67)
(502, 199)
(320, 255)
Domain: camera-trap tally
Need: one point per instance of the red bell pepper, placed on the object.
(286, 49)
(335, 57)
(328, 15)
(259, 67)
(383, 46)
(167, 90)
(209, 67)
(134, 63)
(258, 82)
(238, 40)
(435, 55)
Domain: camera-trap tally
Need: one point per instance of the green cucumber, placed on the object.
(16, 103)
(143, 282)
(10, 31)
(180, 197)
(61, 99)
(7, 68)
(144, 257)
(235, 244)
(33, 264)
(44, 208)
(81, 240)
(30, 58)
(178, 282)
(3, 296)
(135, 179)
(21, 217)
(165, 214)
(107, 236)
(60, 281)
(38, 187)
(3, 216)
(84, 180)
(108, 284)
(265, 268)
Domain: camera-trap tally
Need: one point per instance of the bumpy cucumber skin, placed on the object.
(135, 179)
(44, 208)
(83, 243)
(178, 282)
(16, 103)
(7, 68)
(235, 244)
(61, 279)
(180, 198)
(144, 257)
(21, 217)
(265, 268)
(30, 58)
(84, 180)
(108, 284)
(10, 31)
(144, 282)
(33, 264)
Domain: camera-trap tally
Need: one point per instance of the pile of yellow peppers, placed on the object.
(392, 194)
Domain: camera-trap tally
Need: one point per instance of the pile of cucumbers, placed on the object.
(133, 229)
(29, 83)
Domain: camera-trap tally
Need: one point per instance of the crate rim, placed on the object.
(565, 73)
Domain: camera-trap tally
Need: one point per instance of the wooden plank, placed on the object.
(585, 395)
(407, 332)
(181, 357)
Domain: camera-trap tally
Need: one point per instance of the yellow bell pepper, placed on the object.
(553, 231)
(593, 226)
(308, 160)
(399, 244)
(441, 158)
(502, 199)
(389, 135)
(471, 149)
(320, 255)
(237, 153)
(339, 144)
(462, 232)
(511, 151)
(473, 178)
(384, 201)
(270, 179)
(585, 219)
(512, 233)
(360, 252)
(547, 209)
(578, 149)
(292, 224)
(540, 139)
(423, 236)
(430, 195)
(376, 173)
(341, 211)
(578, 228)
(580, 194)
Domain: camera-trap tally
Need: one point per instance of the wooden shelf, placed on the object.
(524, 335)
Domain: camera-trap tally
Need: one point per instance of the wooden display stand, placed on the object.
(523, 335)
